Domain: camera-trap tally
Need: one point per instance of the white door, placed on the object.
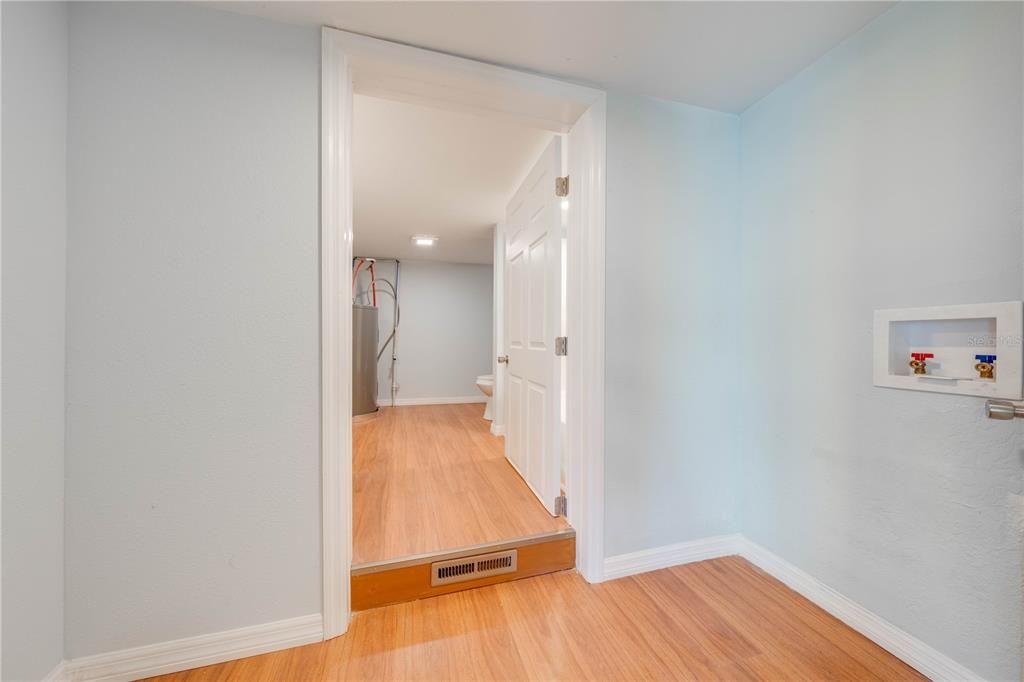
(533, 262)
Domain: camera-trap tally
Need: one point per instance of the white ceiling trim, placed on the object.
(409, 74)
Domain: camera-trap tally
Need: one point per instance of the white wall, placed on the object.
(888, 174)
(671, 333)
(445, 333)
(193, 452)
(35, 63)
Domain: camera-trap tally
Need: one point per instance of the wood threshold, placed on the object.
(383, 584)
(458, 553)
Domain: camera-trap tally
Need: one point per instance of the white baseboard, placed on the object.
(58, 674)
(914, 652)
(670, 555)
(926, 660)
(194, 652)
(459, 400)
(497, 430)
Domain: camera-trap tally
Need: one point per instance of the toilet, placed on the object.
(485, 382)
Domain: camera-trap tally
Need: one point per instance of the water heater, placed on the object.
(364, 359)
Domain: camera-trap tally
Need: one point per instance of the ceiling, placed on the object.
(424, 170)
(720, 55)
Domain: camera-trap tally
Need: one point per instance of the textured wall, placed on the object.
(889, 174)
(193, 416)
(671, 334)
(35, 61)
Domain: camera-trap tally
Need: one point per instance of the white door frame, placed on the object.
(382, 69)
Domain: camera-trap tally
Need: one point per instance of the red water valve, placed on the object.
(918, 362)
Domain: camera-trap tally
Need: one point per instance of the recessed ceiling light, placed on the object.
(424, 240)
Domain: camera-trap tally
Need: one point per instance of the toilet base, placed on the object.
(485, 382)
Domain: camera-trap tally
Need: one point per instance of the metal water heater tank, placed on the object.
(364, 359)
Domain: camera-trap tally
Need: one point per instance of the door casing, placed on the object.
(354, 63)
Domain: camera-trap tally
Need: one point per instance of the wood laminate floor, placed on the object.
(431, 478)
(721, 619)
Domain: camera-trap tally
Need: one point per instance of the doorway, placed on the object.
(430, 186)
(355, 64)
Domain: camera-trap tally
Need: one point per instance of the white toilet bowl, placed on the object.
(485, 382)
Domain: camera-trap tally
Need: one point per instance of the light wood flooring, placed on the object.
(431, 478)
(721, 619)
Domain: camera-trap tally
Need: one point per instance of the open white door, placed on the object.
(533, 263)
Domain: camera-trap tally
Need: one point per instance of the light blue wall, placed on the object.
(671, 335)
(193, 456)
(35, 69)
(444, 336)
(888, 174)
(868, 181)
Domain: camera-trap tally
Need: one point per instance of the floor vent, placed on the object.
(472, 567)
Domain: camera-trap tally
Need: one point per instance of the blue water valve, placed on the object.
(986, 366)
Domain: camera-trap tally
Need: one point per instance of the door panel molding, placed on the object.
(533, 259)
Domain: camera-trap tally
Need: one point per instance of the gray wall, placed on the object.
(193, 421)
(671, 334)
(35, 60)
(444, 337)
(888, 174)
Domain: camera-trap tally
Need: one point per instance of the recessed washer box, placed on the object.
(954, 334)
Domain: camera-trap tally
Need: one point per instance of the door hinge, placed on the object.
(561, 345)
(561, 505)
(562, 186)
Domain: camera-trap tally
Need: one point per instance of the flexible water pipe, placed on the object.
(359, 262)
(373, 285)
(393, 336)
(396, 316)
